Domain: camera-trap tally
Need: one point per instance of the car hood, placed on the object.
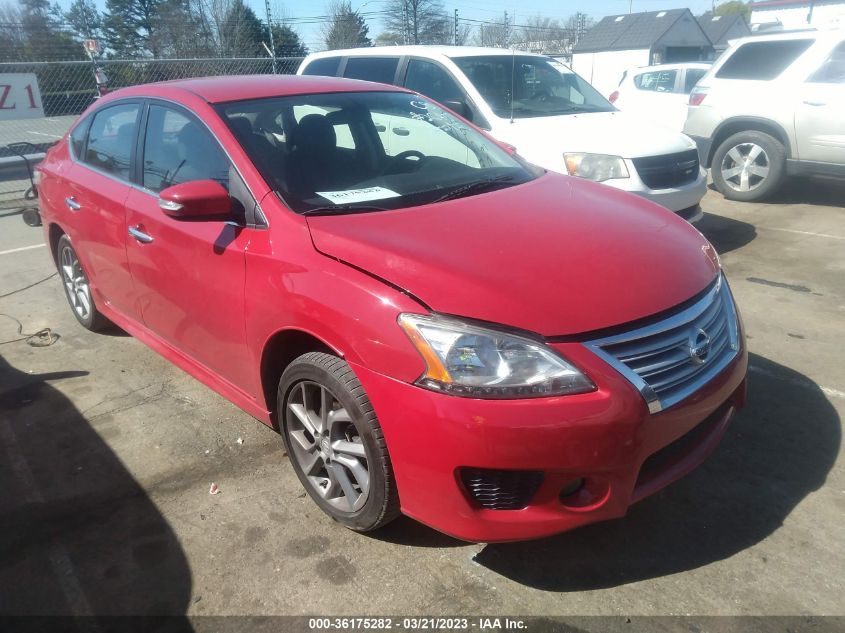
(617, 133)
(555, 256)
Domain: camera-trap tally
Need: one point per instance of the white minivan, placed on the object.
(552, 116)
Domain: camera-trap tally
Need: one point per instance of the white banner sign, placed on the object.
(20, 97)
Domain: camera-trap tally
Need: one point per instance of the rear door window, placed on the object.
(658, 81)
(833, 70)
(762, 60)
(326, 66)
(111, 139)
(380, 69)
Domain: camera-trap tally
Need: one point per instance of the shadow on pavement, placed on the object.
(778, 449)
(724, 233)
(78, 534)
(826, 192)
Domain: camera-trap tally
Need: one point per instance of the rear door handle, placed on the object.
(401, 131)
(72, 204)
(815, 103)
(139, 235)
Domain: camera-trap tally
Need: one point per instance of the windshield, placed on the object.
(369, 151)
(527, 86)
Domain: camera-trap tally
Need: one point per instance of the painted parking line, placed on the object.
(22, 248)
(827, 235)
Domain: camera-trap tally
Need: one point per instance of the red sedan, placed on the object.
(435, 326)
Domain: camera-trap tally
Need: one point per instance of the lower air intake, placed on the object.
(501, 489)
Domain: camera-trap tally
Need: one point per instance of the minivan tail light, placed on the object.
(696, 97)
(613, 96)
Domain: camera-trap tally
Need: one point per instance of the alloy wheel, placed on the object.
(76, 284)
(745, 167)
(327, 446)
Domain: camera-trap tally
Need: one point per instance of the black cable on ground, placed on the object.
(40, 281)
(42, 338)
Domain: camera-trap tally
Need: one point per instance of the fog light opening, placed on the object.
(571, 488)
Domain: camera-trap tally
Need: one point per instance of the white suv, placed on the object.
(552, 116)
(771, 106)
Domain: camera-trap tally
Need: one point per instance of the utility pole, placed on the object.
(270, 28)
(456, 27)
(405, 30)
(506, 35)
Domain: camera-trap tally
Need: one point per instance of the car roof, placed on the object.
(701, 65)
(243, 87)
(433, 52)
(798, 34)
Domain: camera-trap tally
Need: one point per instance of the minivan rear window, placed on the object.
(380, 69)
(762, 60)
(325, 66)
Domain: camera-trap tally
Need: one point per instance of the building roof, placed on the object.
(629, 31)
(717, 26)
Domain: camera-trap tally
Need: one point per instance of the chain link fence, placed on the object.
(53, 94)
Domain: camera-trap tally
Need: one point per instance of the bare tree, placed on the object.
(493, 34)
(419, 21)
(542, 35)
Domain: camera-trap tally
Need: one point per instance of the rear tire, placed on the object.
(749, 166)
(77, 287)
(335, 442)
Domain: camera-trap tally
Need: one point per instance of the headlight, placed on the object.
(596, 167)
(475, 362)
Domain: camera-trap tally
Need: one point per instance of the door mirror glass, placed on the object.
(460, 107)
(197, 200)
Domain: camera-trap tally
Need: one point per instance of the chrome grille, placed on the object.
(669, 360)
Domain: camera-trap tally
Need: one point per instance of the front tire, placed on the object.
(749, 166)
(335, 442)
(77, 287)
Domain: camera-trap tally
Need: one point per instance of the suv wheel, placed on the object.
(748, 166)
(335, 442)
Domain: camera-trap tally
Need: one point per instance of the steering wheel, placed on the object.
(540, 96)
(409, 153)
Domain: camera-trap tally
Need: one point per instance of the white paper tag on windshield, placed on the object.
(351, 196)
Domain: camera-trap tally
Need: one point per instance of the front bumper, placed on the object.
(606, 436)
(674, 199)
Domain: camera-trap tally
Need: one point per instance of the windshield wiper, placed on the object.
(340, 209)
(472, 187)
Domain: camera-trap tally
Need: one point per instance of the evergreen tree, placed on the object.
(346, 28)
(130, 27)
(288, 42)
(84, 19)
(241, 32)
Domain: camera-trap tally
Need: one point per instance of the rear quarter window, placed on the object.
(762, 60)
(326, 67)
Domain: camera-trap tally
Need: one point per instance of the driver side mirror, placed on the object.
(461, 107)
(197, 199)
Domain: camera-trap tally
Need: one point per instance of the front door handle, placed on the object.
(139, 235)
(401, 131)
(72, 204)
(815, 103)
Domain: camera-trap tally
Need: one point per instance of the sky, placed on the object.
(518, 11)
